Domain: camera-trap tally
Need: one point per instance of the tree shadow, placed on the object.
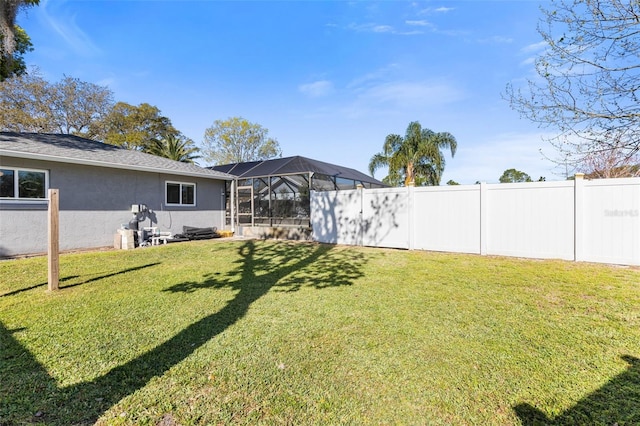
(261, 267)
(71, 277)
(617, 402)
(373, 217)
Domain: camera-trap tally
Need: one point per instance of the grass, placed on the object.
(254, 332)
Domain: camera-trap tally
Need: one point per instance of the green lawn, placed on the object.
(255, 332)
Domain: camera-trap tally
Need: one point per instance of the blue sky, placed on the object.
(329, 79)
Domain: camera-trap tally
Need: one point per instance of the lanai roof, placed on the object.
(292, 165)
(73, 149)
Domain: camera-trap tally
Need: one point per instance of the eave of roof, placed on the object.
(69, 149)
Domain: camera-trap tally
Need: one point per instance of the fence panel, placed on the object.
(385, 218)
(597, 221)
(611, 221)
(336, 217)
(447, 220)
(531, 220)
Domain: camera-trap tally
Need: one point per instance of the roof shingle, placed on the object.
(73, 149)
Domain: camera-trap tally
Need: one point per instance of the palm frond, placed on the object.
(377, 161)
(415, 158)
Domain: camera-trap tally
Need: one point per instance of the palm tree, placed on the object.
(175, 148)
(416, 159)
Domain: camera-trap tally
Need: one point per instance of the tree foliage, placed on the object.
(174, 147)
(132, 127)
(14, 41)
(237, 140)
(513, 176)
(610, 164)
(28, 103)
(416, 158)
(588, 79)
(15, 64)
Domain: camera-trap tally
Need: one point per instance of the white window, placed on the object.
(23, 184)
(180, 194)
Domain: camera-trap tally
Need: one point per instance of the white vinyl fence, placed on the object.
(594, 221)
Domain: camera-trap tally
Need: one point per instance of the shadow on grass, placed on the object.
(71, 277)
(28, 393)
(22, 290)
(615, 403)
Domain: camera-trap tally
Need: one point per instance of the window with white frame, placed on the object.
(23, 184)
(180, 194)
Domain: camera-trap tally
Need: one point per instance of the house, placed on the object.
(99, 186)
(276, 192)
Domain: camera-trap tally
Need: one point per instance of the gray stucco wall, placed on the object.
(95, 201)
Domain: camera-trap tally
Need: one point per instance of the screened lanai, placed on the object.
(277, 192)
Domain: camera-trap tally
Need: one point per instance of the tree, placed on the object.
(513, 176)
(13, 38)
(132, 127)
(14, 64)
(25, 104)
(236, 140)
(611, 164)
(174, 147)
(77, 104)
(28, 103)
(588, 79)
(416, 159)
(452, 182)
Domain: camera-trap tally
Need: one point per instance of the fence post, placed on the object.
(483, 218)
(411, 205)
(359, 225)
(54, 240)
(578, 217)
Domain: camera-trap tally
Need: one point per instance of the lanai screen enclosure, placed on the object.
(276, 192)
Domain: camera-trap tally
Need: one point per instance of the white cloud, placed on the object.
(371, 27)
(432, 10)
(383, 29)
(316, 89)
(529, 61)
(376, 75)
(531, 51)
(412, 93)
(497, 40)
(65, 26)
(535, 47)
(419, 23)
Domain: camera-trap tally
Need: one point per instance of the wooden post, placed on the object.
(54, 242)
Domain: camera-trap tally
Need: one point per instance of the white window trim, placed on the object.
(180, 204)
(16, 186)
